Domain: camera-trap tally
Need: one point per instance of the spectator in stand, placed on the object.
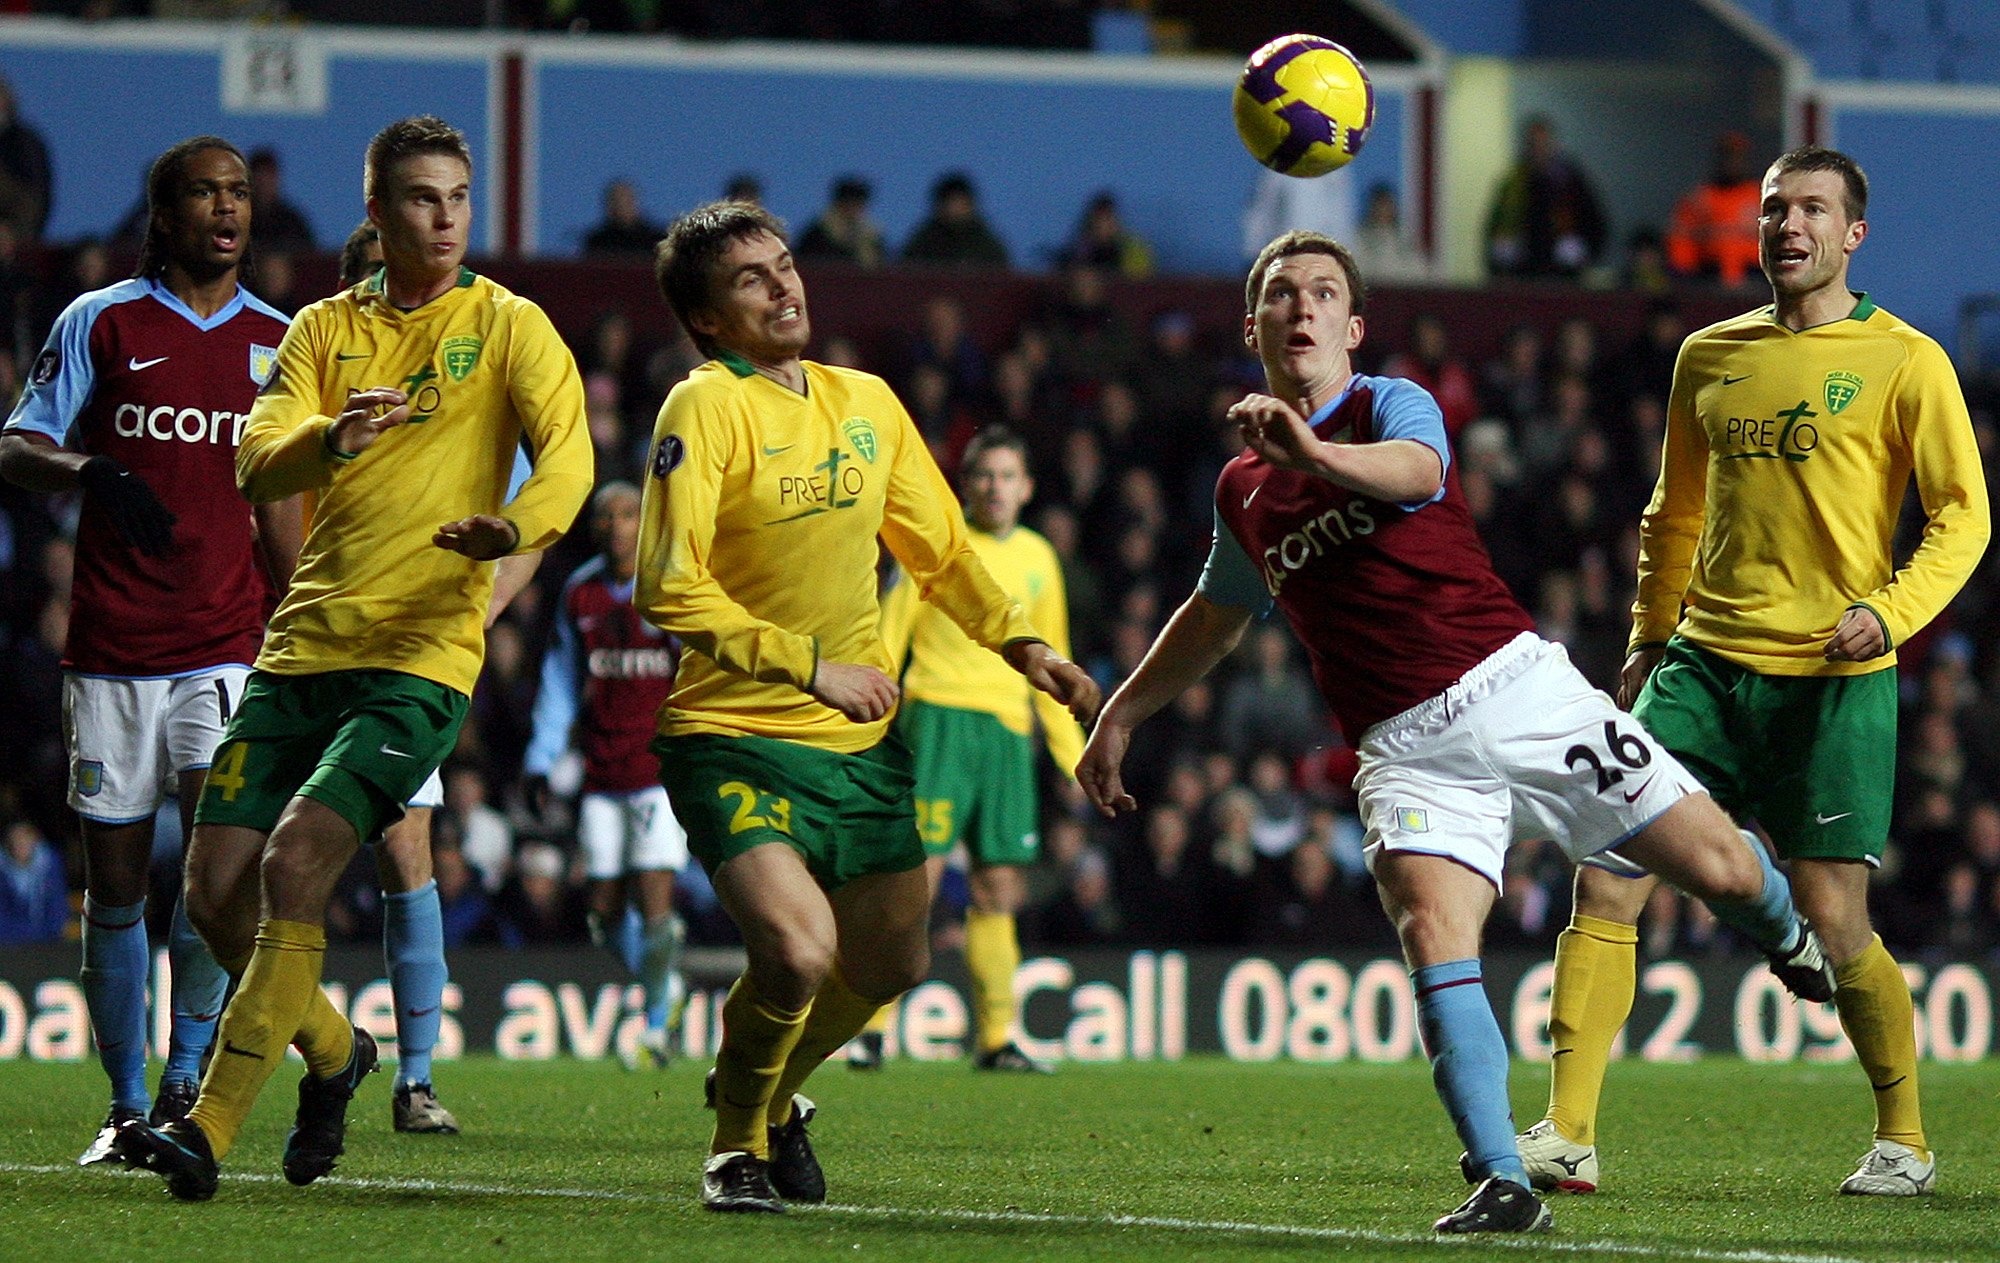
(1714, 233)
(1511, 385)
(1166, 886)
(1104, 242)
(1089, 341)
(1546, 220)
(1303, 904)
(1428, 361)
(944, 340)
(1281, 203)
(281, 226)
(483, 834)
(1084, 914)
(744, 186)
(956, 232)
(845, 232)
(539, 907)
(624, 230)
(1646, 269)
(26, 181)
(1272, 705)
(1384, 252)
(34, 892)
(462, 900)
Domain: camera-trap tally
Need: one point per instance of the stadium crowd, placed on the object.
(1247, 834)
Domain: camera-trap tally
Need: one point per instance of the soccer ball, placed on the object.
(1304, 105)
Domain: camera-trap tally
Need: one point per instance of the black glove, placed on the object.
(137, 514)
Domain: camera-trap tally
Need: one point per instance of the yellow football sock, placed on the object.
(1876, 1012)
(1597, 969)
(837, 1015)
(757, 1037)
(992, 957)
(281, 980)
(325, 1038)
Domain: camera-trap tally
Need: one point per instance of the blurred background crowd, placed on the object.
(1247, 835)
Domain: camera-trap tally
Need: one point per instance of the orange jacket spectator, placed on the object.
(1714, 231)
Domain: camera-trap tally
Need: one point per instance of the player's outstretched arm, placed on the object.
(859, 692)
(37, 463)
(1056, 676)
(1199, 635)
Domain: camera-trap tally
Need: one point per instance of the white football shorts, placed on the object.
(1521, 747)
(630, 833)
(431, 793)
(130, 738)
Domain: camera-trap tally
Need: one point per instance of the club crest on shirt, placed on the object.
(263, 362)
(461, 356)
(47, 365)
(89, 777)
(667, 457)
(860, 431)
(1841, 388)
(1413, 820)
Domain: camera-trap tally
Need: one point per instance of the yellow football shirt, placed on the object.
(1787, 457)
(947, 669)
(482, 367)
(757, 546)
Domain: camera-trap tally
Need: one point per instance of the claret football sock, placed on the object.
(992, 957)
(757, 1037)
(413, 944)
(198, 989)
(1873, 999)
(837, 1015)
(270, 1007)
(1469, 1065)
(116, 961)
(1597, 964)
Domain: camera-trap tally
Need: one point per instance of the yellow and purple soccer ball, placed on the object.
(1304, 105)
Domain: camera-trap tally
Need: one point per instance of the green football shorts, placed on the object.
(361, 742)
(1812, 758)
(975, 780)
(847, 815)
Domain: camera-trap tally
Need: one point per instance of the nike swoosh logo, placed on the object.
(1633, 797)
(421, 1012)
(1819, 818)
(1731, 381)
(394, 754)
(779, 451)
(134, 365)
(1560, 1052)
(736, 1105)
(344, 356)
(1884, 1087)
(1253, 495)
(241, 1052)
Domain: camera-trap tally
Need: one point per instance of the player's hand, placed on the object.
(482, 537)
(1057, 676)
(135, 512)
(1275, 430)
(1632, 676)
(1858, 638)
(1097, 771)
(861, 693)
(361, 422)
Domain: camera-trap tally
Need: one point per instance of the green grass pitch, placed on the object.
(1721, 1161)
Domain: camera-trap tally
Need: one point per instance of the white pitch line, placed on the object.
(1536, 1244)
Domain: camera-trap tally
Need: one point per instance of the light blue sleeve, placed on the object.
(1405, 410)
(557, 700)
(63, 376)
(1230, 577)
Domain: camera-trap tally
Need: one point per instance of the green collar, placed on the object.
(735, 363)
(379, 281)
(1864, 308)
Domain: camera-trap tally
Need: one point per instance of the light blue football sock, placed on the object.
(660, 966)
(198, 990)
(116, 962)
(630, 942)
(413, 945)
(1469, 1065)
(1770, 920)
